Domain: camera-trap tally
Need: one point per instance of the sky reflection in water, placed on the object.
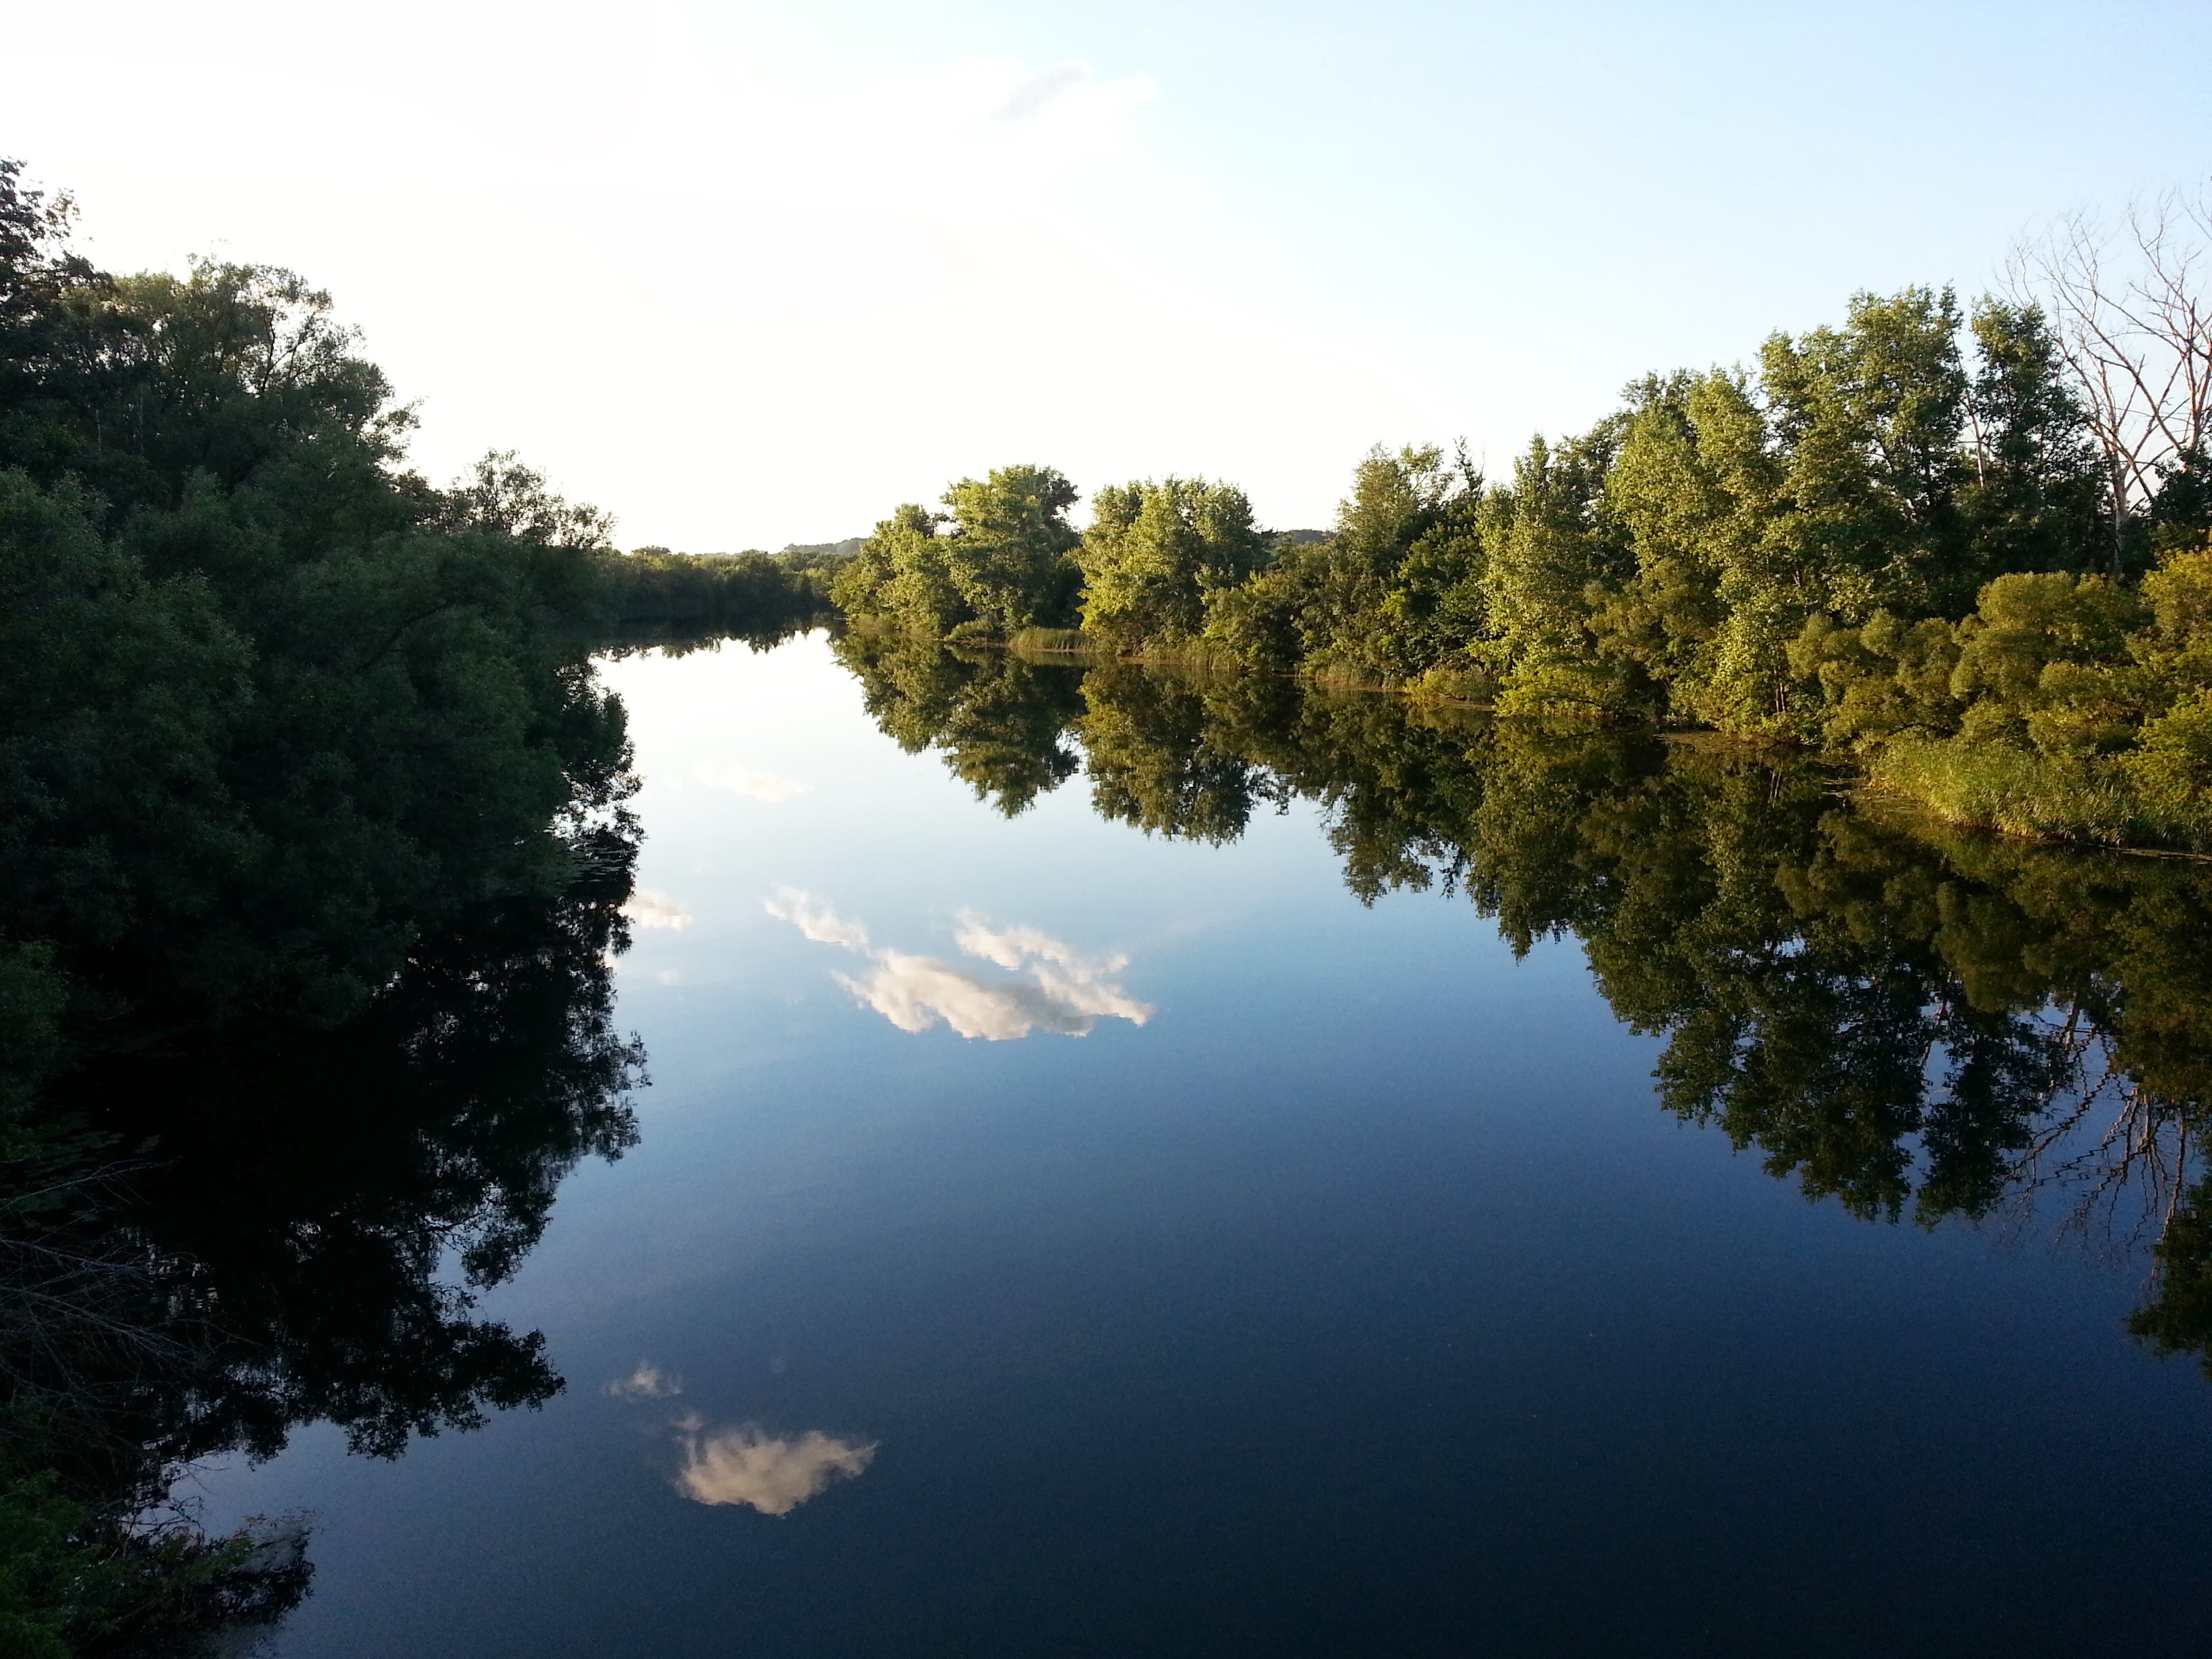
(1374, 1296)
(1066, 992)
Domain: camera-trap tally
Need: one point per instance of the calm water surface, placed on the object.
(1052, 1237)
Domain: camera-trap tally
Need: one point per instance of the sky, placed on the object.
(746, 274)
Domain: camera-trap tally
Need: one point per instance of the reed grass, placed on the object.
(1998, 785)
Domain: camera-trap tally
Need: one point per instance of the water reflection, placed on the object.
(647, 908)
(746, 1466)
(1906, 1019)
(310, 1216)
(773, 1474)
(1067, 992)
(647, 1381)
(770, 786)
(441, 1124)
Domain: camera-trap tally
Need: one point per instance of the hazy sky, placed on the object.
(751, 273)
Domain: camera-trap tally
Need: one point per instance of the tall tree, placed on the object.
(1156, 551)
(996, 561)
(1008, 548)
(2035, 500)
(1548, 539)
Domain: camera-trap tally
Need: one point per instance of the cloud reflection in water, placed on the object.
(647, 908)
(1066, 991)
(773, 1475)
(647, 1381)
(744, 781)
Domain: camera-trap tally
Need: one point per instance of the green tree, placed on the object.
(900, 578)
(995, 562)
(1870, 417)
(2035, 502)
(277, 719)
(1553, 548)
(1399, 582)
(1008, 552)
(1157, 551)
(1694, 488)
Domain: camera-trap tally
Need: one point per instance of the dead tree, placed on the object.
(2134, 322)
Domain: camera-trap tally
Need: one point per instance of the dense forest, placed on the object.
(1967, 549)
(302, 760)
(1902, 1017)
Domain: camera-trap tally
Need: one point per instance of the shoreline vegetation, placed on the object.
(314, 847)
(315, 842)
(1931, 541)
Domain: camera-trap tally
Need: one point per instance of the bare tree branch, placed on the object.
(2138, 338)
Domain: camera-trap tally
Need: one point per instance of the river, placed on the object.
(1165, 1166)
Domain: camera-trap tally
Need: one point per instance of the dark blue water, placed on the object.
(1263, 1272)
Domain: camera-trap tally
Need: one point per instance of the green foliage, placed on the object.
(1261, 622)
(655, 595)
(1881, 680)
(2035, 499)
(900, 579)
(1881, 543)
(2001, 786)
(1867, 419)
(72, 1583)
(2071, 709)
(995, 562)
(279, 724)
(1553, 548)
(1157, 551)
(1694, 488)
(1866, 544)
(1397, 590)
(33, 997)
(1008, 550)
(269, 704)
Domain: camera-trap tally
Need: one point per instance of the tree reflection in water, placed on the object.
(1905, 1018)
(1913, 1022)
(276, 1249)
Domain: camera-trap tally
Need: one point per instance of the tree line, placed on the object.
(652, 596)
(1969, 548)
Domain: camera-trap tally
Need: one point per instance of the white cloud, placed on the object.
(744, 781)
(1065, 992)
(1074, 980)
(650, 909)
(914, 993)
(814, 918)
(774, 1476)
(1041, 87)
(647, 1381)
